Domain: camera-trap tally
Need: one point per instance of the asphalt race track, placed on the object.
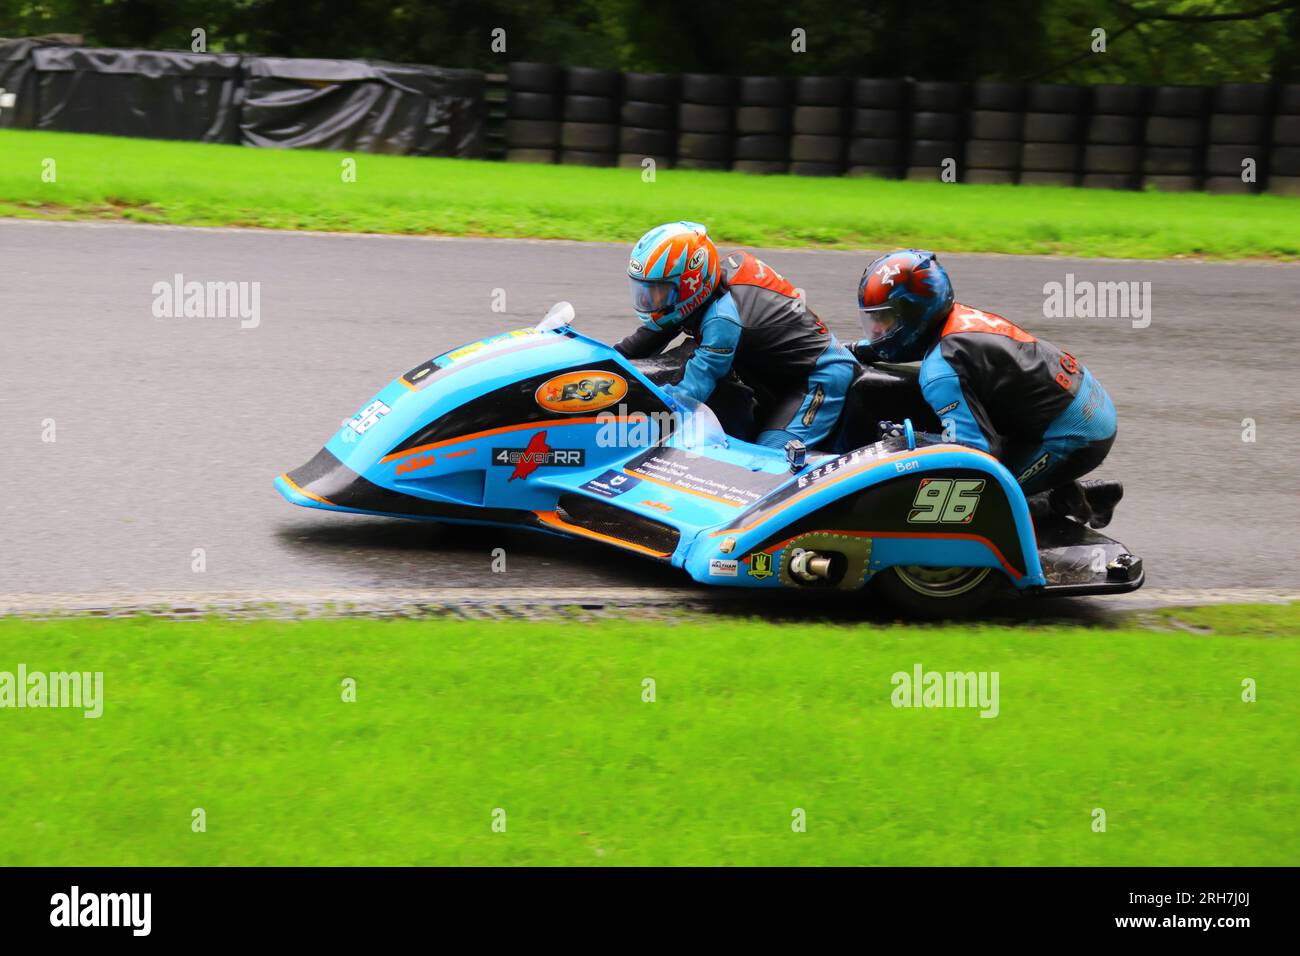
(168, 432)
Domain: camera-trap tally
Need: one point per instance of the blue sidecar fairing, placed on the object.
(555, 431)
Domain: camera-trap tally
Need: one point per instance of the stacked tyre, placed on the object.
(648, 119)
(1238, 132)
(532, 129)
(1112, 154)
(938, 112)
(762, 125)
(1175, 136)
(589, 135)
(877, 125)
(994, 128)
(1284, 160)
(1053, 135)
(704, 116)
(817, 147)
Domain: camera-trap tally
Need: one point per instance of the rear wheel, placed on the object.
(938, 592)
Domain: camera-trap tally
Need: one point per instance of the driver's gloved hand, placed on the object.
(863, 352)
(891, 430)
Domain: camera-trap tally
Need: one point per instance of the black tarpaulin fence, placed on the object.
(369, 106)
(151, 93)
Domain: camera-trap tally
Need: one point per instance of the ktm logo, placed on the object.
(414, 464)
(585, 391)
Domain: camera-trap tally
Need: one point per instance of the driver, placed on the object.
(744, 316)
(994, 386)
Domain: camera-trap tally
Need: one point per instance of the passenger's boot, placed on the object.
(1102, 498)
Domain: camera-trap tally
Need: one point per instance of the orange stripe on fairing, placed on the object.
(689, 491)
(457, 454)
(951, 536)
(408, 384)
(305, 493)
(826, 484)
(554, 520)
(548, 423)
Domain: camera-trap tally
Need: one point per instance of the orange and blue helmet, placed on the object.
(903, 298)
(673, 270)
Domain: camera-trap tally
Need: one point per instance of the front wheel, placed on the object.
(938, 592)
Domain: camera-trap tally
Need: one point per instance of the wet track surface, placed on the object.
(170, 431)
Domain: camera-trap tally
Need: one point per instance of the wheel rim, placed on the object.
(941, 582)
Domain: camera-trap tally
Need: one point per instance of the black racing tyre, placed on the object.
(585, 157)
(878, 94)
(530, 155)
(589, 137)
(1048, 157)
(1170, 184)
(532, 134)
(759, 167)
(938, 96)
(647, 115)
(647, 142)
(761, 148)
(760, 119)
(1237, 128)
(1125, 160)
(808, 168)
(1286, 131)
(1226, 160)
(993, 153)
(998, 97)
(521, 104)
(763, 91)
(590, 81)
(1285, 161)
(992, 124)
(820, 90)
(818, 120)
(1051, 127)
(1115, 99)
(1187, 101)
(1242, 98)
(1173, 131)
(1114, 130)
(696, 118)
(1048, 177)
(816, 149)
(687, 162)
(650, 87)
(534, 77)
(926, 125)
(1227, 186)
(876, 124)
(1107, 181)
(933, 152)
(590, 109)
(1169, 161)
(872, 172)
(703, 146)
(707, 89)
(1288, 99)
(1055, 98)
(637, 160)
(990, 177)
(937, 593)
(875, 152)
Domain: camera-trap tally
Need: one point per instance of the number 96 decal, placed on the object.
(946, 501)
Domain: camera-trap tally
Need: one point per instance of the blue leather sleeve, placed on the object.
(716, 350)
(957, 410)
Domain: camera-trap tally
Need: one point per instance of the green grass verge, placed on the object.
(194, 184)
(751, 720)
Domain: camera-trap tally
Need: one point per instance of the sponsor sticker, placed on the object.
(368, 416)
(724, 568)
(611, 484)
(537, 454)
(588, 390)
(415, 463)
(760, 565)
